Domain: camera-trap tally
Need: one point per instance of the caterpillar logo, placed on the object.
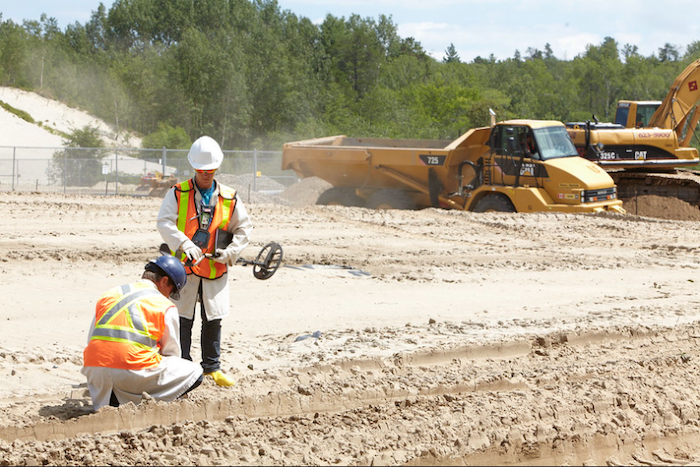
(527, 170)
(640, 155)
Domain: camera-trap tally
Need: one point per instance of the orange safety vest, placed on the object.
(129, 324)
(188, 223)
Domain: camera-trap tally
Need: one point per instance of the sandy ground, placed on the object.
(386, 338)
(444, 338)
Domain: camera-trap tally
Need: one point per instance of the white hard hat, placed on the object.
(205, 154)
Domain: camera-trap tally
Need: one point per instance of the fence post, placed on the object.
(255, 169)
(116, 171)
(107, 176)
(163, 160)
(14, 150)
(65, 170)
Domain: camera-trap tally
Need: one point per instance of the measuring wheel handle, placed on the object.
(265, 265)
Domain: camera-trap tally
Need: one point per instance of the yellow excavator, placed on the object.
(647, 151)
(156, 184)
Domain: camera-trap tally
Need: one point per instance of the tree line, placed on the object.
(254, 76)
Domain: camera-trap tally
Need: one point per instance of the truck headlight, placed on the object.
(604, 194)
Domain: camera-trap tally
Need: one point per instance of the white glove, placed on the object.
(192, 251)
(225, 256)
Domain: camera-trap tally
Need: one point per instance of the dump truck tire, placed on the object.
(340, 196)
(391, 198)
(494, 203)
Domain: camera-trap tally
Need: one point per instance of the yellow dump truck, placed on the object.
(486, 169)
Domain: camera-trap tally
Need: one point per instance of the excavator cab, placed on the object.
(635, 114)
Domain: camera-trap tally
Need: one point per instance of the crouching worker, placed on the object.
(134, 340)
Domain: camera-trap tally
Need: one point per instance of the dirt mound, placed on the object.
(263, 190)
(305, 192)
(662, 208)
(253, 189)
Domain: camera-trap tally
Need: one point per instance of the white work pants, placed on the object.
(166, 381)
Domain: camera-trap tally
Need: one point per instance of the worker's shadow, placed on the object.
(76, 405)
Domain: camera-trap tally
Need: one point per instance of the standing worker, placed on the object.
(133, 343)
(207, 223)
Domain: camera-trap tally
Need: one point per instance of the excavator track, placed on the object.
(681, 184)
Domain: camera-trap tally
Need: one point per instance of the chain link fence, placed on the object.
(99, 171)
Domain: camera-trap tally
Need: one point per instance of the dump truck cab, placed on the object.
(535, 165)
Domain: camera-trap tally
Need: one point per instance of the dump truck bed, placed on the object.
(353, 162)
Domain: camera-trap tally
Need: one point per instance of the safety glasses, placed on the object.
(205, 171)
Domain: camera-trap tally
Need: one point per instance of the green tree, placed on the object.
(388, 37)
(668, 53)
(356, 52)
(13, 53)
(444, 106)
(451, 55)
(598, 75)
(692, 52)
(168, 137)
(251, 75)
(210, 77)
(639, 81)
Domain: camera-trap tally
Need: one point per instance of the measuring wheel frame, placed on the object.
(267, 262)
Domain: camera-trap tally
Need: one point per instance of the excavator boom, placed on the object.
(680, 101)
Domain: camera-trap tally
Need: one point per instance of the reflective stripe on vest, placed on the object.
(228, 194)
(183, 202)
(188, 223)
(136, 332)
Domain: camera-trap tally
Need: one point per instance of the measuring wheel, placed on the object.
(267, 261)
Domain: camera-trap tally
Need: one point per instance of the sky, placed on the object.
(476, 28)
